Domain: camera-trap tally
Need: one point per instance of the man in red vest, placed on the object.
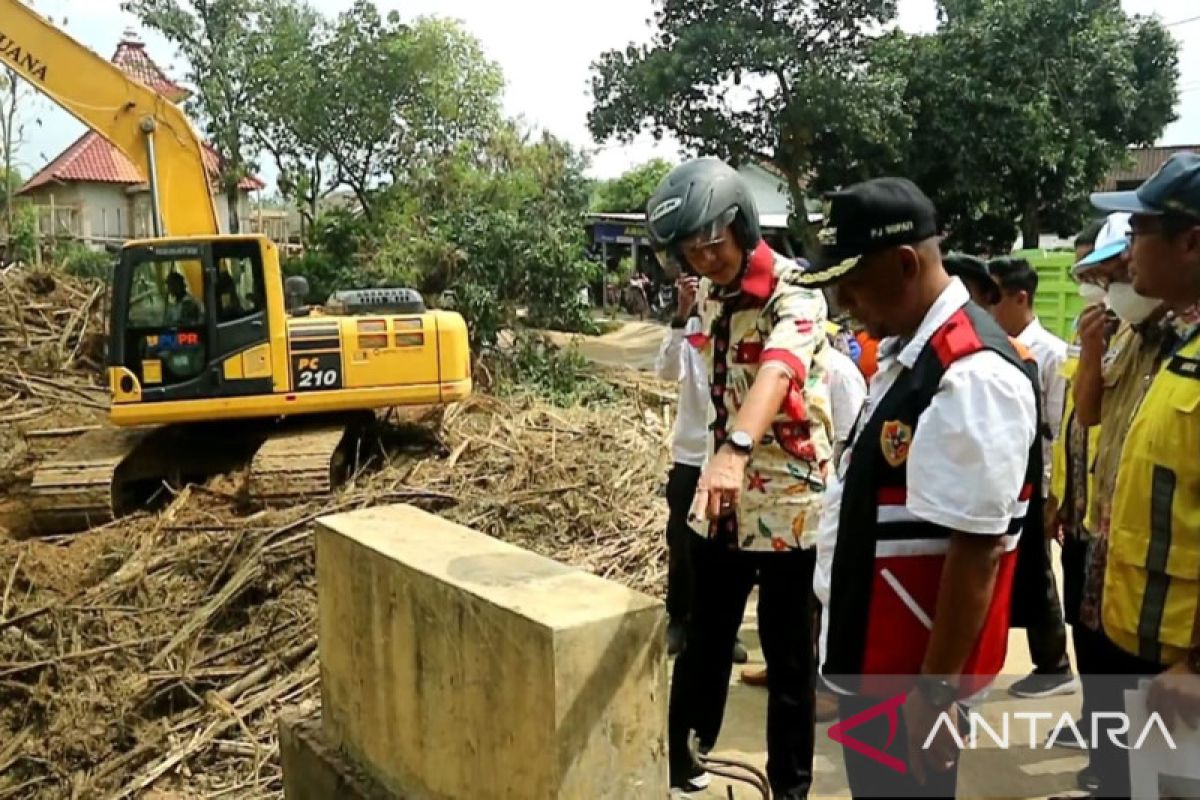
(921, 524)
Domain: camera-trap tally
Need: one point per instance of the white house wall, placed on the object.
(105, 209)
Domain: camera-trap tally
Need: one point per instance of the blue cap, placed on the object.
(1174, 189)
(1111, 241)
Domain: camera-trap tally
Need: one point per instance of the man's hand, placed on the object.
(919, 720)
(1176, 693)
(1092, 328)
(721, 483)
(1051, 523)
(686, 288)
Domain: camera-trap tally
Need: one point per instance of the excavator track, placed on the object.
(83, 484)
(299, 464)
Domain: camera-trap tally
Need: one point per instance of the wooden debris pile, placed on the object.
(51, 358)
(157, 652)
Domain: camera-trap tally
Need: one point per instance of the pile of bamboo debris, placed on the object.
(157, 652)
(51, 352)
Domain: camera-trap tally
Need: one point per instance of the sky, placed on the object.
(545, 48)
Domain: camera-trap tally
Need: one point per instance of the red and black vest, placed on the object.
(887, 563)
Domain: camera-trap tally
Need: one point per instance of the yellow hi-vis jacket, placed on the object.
(1060, 464)
(1152, 581)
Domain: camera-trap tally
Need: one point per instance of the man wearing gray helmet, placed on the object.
(770, 444)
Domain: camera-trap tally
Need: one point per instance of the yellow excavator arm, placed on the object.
(148, 128)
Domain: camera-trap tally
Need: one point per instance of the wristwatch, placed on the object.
(938, 693)
(741, 443)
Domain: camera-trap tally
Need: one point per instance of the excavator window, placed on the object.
(240, 290)
(166, 316)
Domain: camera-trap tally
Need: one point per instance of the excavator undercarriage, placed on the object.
(105, 473)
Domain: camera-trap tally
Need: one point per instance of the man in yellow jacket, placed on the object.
(1152, 579)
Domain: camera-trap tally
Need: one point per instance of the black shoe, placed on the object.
(1045, 684)
(696, 780)
(740, 656)
(676, 635)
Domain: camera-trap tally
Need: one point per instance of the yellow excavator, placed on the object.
(213, 364)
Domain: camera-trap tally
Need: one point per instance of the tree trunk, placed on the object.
(1031, 231)
(231, 201)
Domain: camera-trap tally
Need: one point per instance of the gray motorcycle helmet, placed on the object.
(701, 195)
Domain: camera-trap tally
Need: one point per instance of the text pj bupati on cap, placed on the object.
(867, 217)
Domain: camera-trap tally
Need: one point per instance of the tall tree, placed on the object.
(13, 93)
(218, 40)
(1022, 107)
(399, 97)
(289, 119)
(630, 192)
(781, 81)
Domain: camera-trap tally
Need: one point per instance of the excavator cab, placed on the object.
(181, 309)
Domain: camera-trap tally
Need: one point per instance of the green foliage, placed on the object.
(564, 377)
(365, 101)
(782, 82)
(499, 226)
(23, 238)
(630, 192)
(332, 259)
(220, 40)
(82, 261)
(1022, 107)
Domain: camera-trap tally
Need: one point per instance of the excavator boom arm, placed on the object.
(119, 108)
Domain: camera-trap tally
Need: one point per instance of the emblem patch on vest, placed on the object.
(895, 439)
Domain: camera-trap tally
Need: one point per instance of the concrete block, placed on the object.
(315, 770)
(454, 665)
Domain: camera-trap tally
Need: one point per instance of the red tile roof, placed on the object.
(92, 159)
(132, 58)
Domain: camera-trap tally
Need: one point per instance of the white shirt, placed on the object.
(970, 449)
(1050, 352)
(689, 439)
(847, 392)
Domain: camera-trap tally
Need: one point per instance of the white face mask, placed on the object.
(1129, 305)
(1091, 293)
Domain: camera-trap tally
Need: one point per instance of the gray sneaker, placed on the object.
(1045, 684)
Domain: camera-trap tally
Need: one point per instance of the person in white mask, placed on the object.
(1121, 348)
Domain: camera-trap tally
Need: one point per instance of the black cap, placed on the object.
(867, 217)
(1174, 189)
(973, 271)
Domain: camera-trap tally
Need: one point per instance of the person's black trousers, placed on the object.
(700, 681)
(1118, 671)
(1048, 637)
(870, 778)
(681, 490)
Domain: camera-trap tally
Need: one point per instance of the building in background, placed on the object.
(93, 193)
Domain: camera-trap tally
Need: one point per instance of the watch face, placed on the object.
(741, 440)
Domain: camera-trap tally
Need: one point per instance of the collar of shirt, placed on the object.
(952, 298)
(1186, 323)
(757, 283)
(1033, 333)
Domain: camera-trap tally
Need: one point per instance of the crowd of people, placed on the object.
(885, 441)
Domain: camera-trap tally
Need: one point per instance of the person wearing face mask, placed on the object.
(769, 448)
(1121, 349)
(1151, 594)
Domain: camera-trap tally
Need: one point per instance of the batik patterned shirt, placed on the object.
(769, 321)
